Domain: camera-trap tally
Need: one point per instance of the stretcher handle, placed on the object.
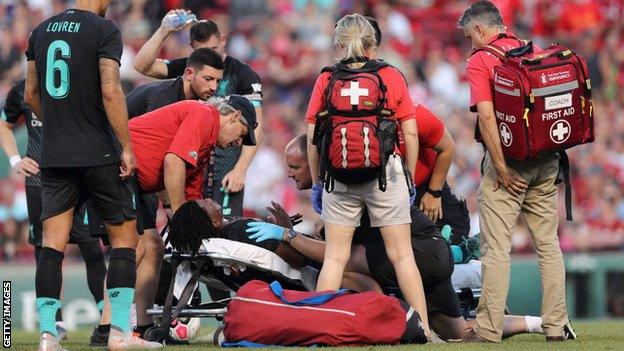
(319, 299)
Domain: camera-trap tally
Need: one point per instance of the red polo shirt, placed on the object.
(480, 70)
(430, 132)
(398, 96)
(188, 129)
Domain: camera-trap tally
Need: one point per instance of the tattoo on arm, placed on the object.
(114, 100)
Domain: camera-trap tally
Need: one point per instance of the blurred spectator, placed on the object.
(288, 41)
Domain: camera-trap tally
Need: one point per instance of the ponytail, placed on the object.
(355, 35)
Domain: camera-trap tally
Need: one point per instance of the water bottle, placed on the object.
(178, 20)
(226, 202)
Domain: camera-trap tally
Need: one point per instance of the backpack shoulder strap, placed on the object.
(493, 49)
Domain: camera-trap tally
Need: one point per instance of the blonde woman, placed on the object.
(387, 197)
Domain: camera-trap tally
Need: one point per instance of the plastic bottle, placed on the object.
(226, 202)
(178, 20)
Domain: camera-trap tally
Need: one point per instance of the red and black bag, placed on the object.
(266, 314)
(543, 104)
(542, 100)
(355, 133)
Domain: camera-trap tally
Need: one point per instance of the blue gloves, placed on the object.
(262, 231)
(317, 197)
(412, 199)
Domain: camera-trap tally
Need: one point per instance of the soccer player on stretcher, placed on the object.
(202, 219)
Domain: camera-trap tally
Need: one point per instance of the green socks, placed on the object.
(120, 300)
(47, 307)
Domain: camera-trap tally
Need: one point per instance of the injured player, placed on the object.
(370, 269)
(201, 219)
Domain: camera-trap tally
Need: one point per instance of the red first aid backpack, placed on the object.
(355, 133)
(542, 100)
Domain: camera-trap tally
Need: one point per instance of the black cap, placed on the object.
(248, 111)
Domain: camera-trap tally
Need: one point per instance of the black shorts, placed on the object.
(79, 232)
(435, 264)
(454, 213)
(111, 198)
(146, 210)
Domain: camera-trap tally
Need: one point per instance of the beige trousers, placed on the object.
(498, 213)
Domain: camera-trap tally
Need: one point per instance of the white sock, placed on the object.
(533, 324)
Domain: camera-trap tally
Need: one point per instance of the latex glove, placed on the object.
(317, 197)
(412, 199)
(262, 231)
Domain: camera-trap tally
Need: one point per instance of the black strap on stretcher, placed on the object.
(564, 176)
(169, 314)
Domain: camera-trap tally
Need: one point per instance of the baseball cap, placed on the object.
(248, 111)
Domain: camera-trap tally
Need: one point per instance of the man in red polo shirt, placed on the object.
(509, 188)
(433, 195)
(173, 143)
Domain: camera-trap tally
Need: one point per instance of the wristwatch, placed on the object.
(434, 193)
(290, 234)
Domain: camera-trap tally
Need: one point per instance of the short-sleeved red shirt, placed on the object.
(480, 70)
(188, 129)
(430, 132)
(398, 96)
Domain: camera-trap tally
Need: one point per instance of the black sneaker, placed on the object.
(99, 339)
(568, 332)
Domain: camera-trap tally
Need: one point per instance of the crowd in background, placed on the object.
(288, 41)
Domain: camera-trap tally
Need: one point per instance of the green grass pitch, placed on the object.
(593, 336)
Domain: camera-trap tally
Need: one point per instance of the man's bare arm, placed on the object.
(445, 149)
(7, 139)
(32, 96)
(310, 248)
(26, 166)
(114, 100)
(175, 180)
(146, 61)
(117, 112)
(236, 177)
(489, 132)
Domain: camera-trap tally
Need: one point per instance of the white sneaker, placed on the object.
(129, 341)
(49, 342)
(61, 330)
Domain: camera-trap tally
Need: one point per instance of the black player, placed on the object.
(73, 85)
(230, 165)
(201, 219)
(14, 109)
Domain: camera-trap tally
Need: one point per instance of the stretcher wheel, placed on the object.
(218, 336)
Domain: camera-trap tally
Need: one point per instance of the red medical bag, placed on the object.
(266, 314)
(542, 100)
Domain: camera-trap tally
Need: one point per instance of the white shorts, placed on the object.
(346, 203)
